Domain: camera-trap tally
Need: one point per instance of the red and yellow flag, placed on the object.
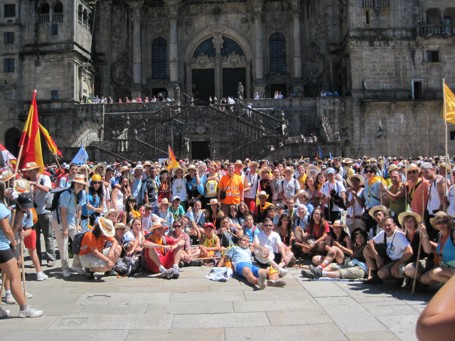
(50, 141)
(30, 140)
(449, 109)
(172, 160)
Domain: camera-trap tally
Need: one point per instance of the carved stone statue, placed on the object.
(240, 91)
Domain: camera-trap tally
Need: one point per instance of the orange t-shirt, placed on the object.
(233, 187)
(89, 242)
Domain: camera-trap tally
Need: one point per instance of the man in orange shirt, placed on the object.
(230, 189)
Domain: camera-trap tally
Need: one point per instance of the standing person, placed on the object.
(164, 188)
(395, 194)
(330, 190)
(42, 196)
(65, 181)
(275, 185)
(354, 203)
(66, 221)
(137, 187)
(418, 189)
(230, 189)
(151, 189)
(179, 188)
(371, 193)
(266, 182)
(8, 263)
(251, 185)
(210, 182)
(193, 185)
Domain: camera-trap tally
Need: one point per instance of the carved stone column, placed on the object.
(297, 40)
(173, 6)
(135, 16)
(259, 83)
(218, 44)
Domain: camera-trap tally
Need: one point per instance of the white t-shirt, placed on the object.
(328, 187)
(290, 188)
(271, 242)
(395, 245)
(451, 198)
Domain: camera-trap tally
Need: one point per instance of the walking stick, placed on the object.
(414, 280)
(22, 263)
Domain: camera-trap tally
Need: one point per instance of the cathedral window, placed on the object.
(44, 12)
(58, 12)
(277, 45)
(159, 59)
(8, 65)
(9, 10)
(205, 48)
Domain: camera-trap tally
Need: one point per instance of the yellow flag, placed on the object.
(449, 109)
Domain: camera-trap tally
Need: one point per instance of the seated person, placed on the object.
(187, 253)
(387, 253)
(162, 253)
(134, 239)
(351, 269)
(209, 243)
(444, 248)
(229, 234)
(337, 244)
(94, 256)
(268, 245)
(240, 256)
(311, 240)
(249, 228)
(120, 229)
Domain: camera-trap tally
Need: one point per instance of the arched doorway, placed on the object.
(217, 66)
(12, 137)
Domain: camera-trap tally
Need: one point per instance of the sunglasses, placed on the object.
(177, 226)
(369, 171)
(413, 172)
(96, 182)
(268, 225)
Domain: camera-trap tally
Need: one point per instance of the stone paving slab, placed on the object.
(191, 308)
(59, 335)
(221, 320)
(211, 334)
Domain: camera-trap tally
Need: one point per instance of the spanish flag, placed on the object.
(449, 101)
(30, 142)
(172, 160)
(50, 141)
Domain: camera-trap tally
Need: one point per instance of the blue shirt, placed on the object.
(4, 214)
(68, 200)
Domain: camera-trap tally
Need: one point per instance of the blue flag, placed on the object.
(331, 157)
(320, 152)
(81, 157)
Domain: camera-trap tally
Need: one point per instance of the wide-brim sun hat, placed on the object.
(106, 226)
(355, 176)
(404, 215)
(377, 208)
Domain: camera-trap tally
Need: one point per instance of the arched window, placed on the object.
(58, 12)
(230, 46)
(159, 59)
(44, 11)
(205, 48)
(277, 45)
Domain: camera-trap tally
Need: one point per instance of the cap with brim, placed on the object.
(441, 215)
(263, 194)
(164, 201)
(21, 186)
(377, 208)
(403, 215)
(6, 175)
(209, 225)
(106, 226)
(25, 200)
(176, 197)
(426, 165)
(355, 176)
(30, 166)
(331, 170)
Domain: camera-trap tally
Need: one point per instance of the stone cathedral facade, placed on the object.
(372, 68)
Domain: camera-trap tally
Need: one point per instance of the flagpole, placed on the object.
(19, 158)
(445, 120)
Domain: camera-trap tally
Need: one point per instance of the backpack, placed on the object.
(55, 200)
(76, 247)
(128, 266)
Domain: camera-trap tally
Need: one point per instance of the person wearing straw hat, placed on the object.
(410, 221)
(251, 184)
(387, 253)
(8, 263)
(378, 214)
(94, 256)
(42, 197)
(261, 208)
(444, 248)
(354, 202)
(163, 253)
(290, 185)
(66, 221)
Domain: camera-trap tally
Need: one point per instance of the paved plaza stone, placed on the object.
(195, 308)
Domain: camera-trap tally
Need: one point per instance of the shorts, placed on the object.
(6, 255)
(30, 241)
(254, 269)
(381, 249)
(388, 266)
(166, 260)
(349, 272)
(91, 261)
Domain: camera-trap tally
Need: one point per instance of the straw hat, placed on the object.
(79, 179)
(30, 166)
(214, 201)
(110, 212)
(313, 170)
(6, 175)
(355, 176)
(288, 170)
(338, 223)
(191, 167)
(99, 165)
(21, 186)
(239, 163)
(124, 169)
(441, 215)
(84, 169)
(121, 226)
(301, 193)
(163, 201)
(158, 225)
(403, 215)
(377, 208)
(106, 226)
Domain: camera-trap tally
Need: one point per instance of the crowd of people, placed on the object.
(348, 218)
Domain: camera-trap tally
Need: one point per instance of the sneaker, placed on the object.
(4, 313)
(89, 274)
(28, 295)
(283, 272)
(110, 273)
(196, 262)
(41, 276)
(50, 263)
(277, 283)
(9, 299)
(167, 273)
(28, 311)
(66, 273)
(307, 274)
(78, 270)
(175, 273)
(261, 281)
(317, 271)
